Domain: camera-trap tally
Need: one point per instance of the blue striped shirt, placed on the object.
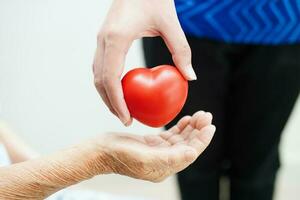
(242, 21)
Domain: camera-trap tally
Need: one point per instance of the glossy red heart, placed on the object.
(155, 96)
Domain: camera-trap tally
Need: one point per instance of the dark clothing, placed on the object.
(251, 91)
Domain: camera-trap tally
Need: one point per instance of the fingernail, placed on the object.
(211, 130)
(209, 114)
(126, 122)
(191, 73)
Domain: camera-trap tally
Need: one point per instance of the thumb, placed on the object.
(179, 47)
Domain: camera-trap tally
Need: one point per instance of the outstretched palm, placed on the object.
(154, 157)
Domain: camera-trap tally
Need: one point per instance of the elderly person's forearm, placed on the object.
(146, 157)
(39, 178)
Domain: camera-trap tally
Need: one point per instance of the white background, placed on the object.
(47, 92)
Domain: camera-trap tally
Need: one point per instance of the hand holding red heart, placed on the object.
(127, 21)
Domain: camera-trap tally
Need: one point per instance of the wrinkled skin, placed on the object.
(155, 157)
(151, 157)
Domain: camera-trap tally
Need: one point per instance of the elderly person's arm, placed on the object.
(39, 178)
(152, 158)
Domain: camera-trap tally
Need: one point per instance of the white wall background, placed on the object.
(47, 92)
(46, 83)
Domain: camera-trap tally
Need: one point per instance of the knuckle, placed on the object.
(107, 80)
(98, 82)
(113, 34)
(104, 80)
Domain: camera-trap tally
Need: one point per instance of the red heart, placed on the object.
(155, 96)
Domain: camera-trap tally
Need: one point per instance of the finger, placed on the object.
(106, 101)
(97, 70)
(177, 129)
(154, 140)
(202, 138)
(181, 124)
(198, 116)
(197, 121)
(200, 119)
(175, 139)
(178, 138)
(192, 134)
(180, 157)
(165, 135)
(114, 92)
(177, 44)
(113, 64)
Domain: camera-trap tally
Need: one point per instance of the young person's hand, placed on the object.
(126, 21)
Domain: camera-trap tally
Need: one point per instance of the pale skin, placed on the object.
(150, 157)
(128, 20)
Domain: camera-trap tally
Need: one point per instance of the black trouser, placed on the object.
(251, 91)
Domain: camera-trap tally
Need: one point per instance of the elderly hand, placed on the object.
(155, 157)
(126, 21)
(152, 158)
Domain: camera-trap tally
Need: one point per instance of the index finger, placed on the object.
(113, 64)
